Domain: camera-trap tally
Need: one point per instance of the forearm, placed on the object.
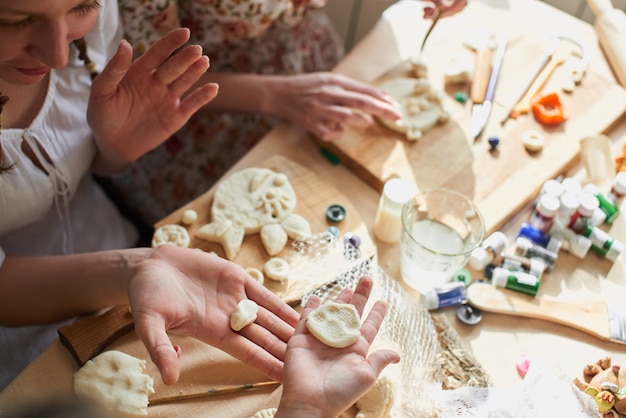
(246, 93)
(36, 290)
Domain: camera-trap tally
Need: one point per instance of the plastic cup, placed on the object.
(440, 228)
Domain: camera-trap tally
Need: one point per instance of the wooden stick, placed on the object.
(214, 392)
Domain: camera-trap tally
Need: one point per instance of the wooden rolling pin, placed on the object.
(610, 24)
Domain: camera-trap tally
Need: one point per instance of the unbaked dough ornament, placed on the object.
(254, 200)
(420, 104)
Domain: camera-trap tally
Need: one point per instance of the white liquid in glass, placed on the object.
(434, 258)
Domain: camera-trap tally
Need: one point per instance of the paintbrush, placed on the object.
(600, 319)
(430, 29)
(223, 390)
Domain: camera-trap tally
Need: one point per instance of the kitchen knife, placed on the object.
(481, 111)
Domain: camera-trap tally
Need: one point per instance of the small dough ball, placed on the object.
(189, 216)
(533, 141)
(171, 234)
(276, 268)
(115, 380)
(256, 274)
(335, 324)
(265, 413)
(244, 314)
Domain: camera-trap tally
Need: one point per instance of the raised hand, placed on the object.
(136, 105)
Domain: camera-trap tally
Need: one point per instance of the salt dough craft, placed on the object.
(256, 274)
(244, 314)
(115, 381)
(171, 234)
(189, 216)
(250, 201)
(377, 402)
(277, 269)
(335, 324)
(265, 413)
(421, 106)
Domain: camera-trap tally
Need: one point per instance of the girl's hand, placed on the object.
(443, 7)
(322, 381)
(135, 106)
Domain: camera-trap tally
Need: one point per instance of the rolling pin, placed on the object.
(610, 25)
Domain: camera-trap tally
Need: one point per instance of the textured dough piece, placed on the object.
(276, 268)
(256, 274)
(171, 234)
(335, 324)
(244, 314)
(115, 381)
(265, 413)
(377, 402)
(274, 238)
(420, 105)
(296, 226)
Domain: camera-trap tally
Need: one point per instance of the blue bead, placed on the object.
(493, 142)
(333, 230)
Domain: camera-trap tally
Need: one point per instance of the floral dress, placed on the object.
(239, 36)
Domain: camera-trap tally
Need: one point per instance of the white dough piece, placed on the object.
(276, 268)
(265, 413)
(533, 140)
(115, 381)
(171, 234)
(244, 314)
(256, 274)
(274, 238)
(377, 402)
(296, 226)
(420, 105)
(335, 324)
(189, 216)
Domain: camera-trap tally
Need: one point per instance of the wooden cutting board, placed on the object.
(500, 182)
(313, 195)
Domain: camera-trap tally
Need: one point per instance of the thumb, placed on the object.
(107, 82)
(380, 359)
(162, 352)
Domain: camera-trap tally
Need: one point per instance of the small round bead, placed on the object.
(333, 230)
(352, 239)
(460, 96)
(493, 142)
(335, 213)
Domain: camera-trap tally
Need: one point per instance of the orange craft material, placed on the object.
(548, 109)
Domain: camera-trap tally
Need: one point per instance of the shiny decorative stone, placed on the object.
(335, 213)
(352, 239)
(493, 142)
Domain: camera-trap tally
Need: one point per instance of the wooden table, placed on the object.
(498, 341)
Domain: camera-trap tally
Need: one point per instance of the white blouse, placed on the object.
(58, 208)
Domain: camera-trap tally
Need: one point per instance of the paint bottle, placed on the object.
(526, 248)
(547, 241)
(551, 186)
(448, 294)
(575, 244)
(588, 205)
(606, 206)
(544, 213)
(518, 281)
(534, 266)
(571, 185)
(618, 191)
(388, 221)
(602, 243)
(570, 202)
(489, 250)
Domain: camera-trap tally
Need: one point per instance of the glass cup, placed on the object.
(440, 228)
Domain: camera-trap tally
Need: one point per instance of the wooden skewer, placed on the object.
(214, 392)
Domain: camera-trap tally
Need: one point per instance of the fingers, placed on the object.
(370, 327)
(380, 359)
(162, 49)
(163, 354)
(107, 82)
(270, 301)
(253, 355)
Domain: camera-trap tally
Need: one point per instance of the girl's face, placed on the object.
(35, 35)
